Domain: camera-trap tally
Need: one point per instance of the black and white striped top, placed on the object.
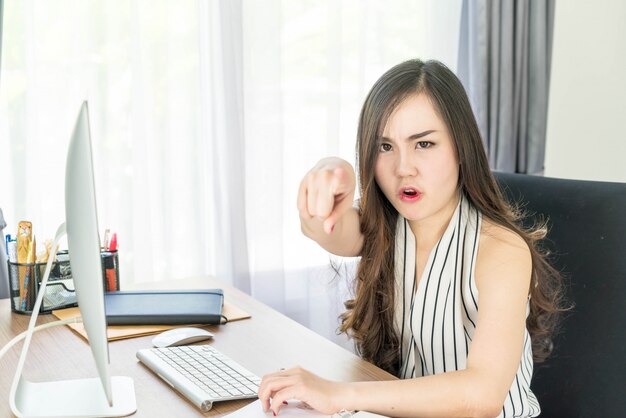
(437, 321)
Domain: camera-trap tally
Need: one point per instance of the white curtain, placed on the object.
(205, 116)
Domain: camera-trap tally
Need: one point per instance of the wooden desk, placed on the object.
(263, 344)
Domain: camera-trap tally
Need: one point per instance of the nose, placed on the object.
(405, 165)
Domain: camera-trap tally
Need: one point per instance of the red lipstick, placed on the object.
(410, 194)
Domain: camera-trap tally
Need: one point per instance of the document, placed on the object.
(295, 409)
(119, 332)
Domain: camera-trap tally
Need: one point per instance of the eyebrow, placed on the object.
(414, 136)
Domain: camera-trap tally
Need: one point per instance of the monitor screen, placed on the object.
(83, 242)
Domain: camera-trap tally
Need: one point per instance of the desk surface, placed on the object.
(265, 343)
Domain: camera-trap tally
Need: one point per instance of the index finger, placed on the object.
(340, 182)
(302, 199)
(271, 384)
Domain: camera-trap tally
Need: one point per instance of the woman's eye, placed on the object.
(423, 144)
(385, 147)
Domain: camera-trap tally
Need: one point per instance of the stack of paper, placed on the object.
(118, 332)
(295, 409)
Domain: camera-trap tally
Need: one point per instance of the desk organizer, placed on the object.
(25, 279)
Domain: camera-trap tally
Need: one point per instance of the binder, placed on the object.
(164, 307)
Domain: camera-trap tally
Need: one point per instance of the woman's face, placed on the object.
(417, 167)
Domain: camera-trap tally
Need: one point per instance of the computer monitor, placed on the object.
(107, 396)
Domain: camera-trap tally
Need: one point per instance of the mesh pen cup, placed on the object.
(25, 281)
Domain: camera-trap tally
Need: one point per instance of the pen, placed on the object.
(12, 251)
(113, 243)
(105, 246)
(8, 239)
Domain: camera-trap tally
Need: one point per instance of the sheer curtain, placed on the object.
(205, 116)
(307, 69)
(166, 128)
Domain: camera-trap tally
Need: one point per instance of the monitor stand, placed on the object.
(74, 398)
(66, 398)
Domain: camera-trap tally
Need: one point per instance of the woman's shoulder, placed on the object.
(493, 234)
(502, 251)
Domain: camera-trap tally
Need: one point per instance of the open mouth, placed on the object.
(409, 193)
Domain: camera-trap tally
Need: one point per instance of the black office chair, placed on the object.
(586, 373)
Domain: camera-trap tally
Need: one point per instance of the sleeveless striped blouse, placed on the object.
(436, 322)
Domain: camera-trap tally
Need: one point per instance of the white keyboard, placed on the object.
(201, 373)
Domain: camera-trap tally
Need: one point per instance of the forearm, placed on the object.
(463, 393)
(345, 240)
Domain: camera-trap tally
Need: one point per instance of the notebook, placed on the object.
(164, 307)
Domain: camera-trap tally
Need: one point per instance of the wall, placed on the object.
(586, 136)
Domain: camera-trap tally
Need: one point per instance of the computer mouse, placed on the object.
(180, 336)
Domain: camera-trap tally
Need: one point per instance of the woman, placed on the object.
(451, 294)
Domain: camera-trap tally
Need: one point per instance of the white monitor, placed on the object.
(105, 396)
(83, 241)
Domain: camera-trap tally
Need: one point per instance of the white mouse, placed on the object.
(180, 336)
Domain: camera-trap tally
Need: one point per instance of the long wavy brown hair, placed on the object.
(369, 318)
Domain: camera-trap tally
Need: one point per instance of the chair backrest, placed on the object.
(586, 374)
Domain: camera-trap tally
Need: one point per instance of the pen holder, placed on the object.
(110, 271)
(25, 280)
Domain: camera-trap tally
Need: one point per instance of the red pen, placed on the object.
(113, 242)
